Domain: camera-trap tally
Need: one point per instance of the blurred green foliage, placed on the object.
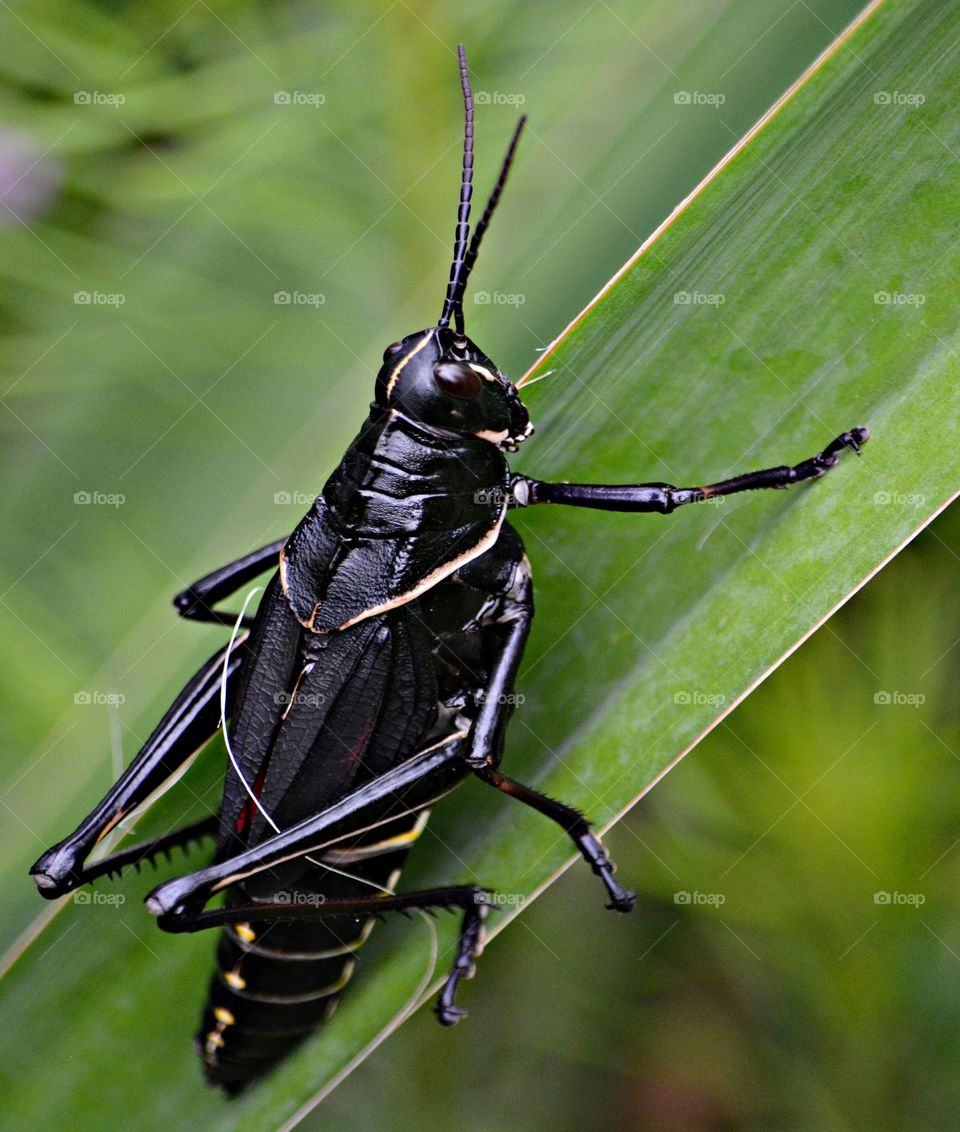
(214, 411)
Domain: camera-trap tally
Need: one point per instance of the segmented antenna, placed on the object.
(471, 257)
(451, 304)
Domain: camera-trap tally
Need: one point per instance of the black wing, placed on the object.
(319, 714)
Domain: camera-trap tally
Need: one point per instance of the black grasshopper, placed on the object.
(376, 675)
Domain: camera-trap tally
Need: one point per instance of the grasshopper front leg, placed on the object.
(663, 498)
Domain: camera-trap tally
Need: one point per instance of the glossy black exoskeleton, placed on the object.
(377, 673)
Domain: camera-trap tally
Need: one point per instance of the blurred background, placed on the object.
(213, 221)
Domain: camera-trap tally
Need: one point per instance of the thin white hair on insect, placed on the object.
(534, 380)
(223, 710)
(236, 765)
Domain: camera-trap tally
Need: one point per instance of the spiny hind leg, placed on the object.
(471, 898)
(188, 725)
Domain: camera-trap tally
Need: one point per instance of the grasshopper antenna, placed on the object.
(471, 257)
(453, 303)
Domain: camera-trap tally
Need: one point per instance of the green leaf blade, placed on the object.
(649, 628)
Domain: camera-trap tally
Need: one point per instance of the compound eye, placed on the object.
(392, 350)
(457, 379)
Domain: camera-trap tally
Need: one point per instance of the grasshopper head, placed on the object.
(439, 376)
(442, 379)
